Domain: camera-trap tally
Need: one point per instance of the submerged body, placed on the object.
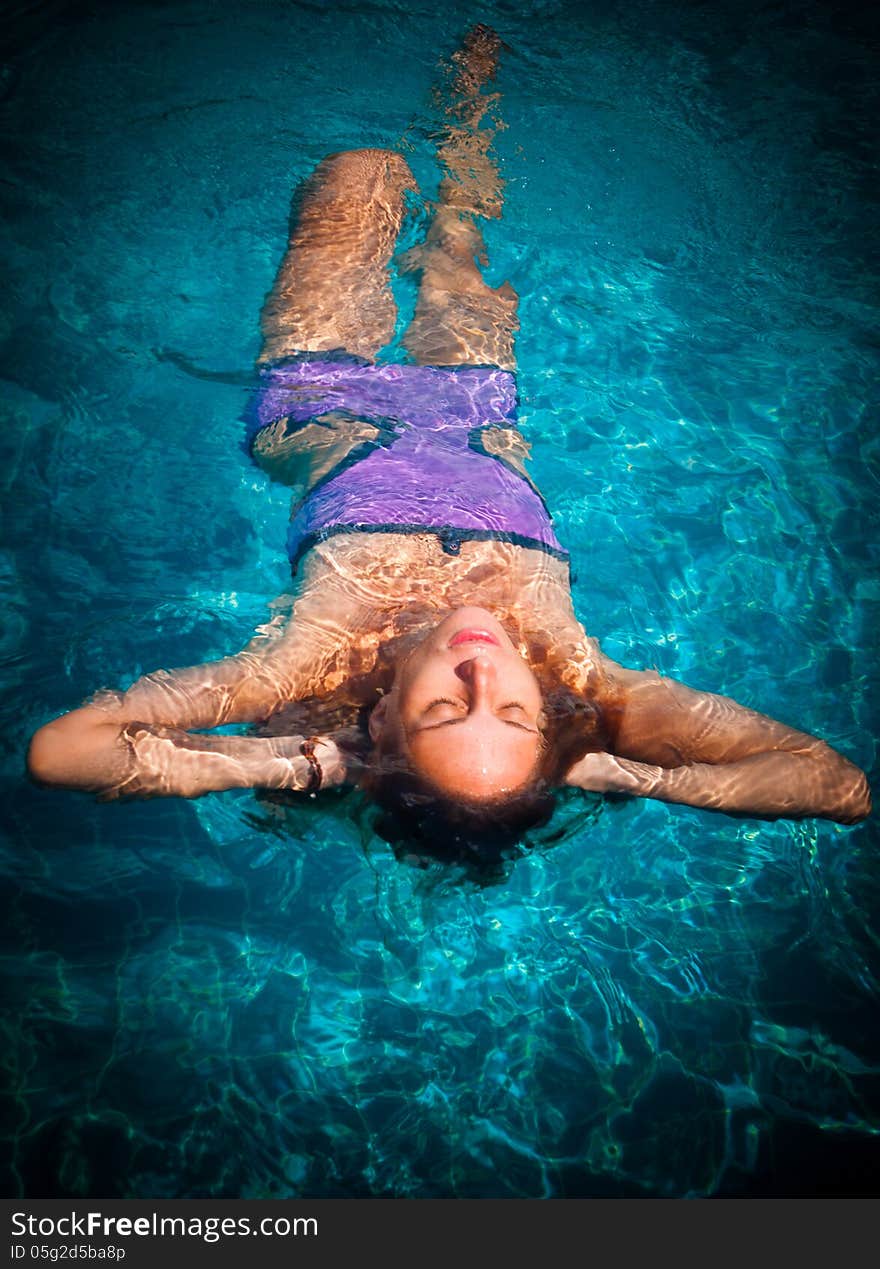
(431, 589)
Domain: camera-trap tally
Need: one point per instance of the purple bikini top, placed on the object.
(428, 470)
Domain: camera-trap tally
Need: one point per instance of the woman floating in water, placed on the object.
(432, 597)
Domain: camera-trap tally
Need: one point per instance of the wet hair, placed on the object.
(417, 818)
(424, 823)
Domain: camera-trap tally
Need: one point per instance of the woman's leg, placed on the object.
(458, 318)
(332, 290)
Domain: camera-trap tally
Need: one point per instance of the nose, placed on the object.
(477, 672)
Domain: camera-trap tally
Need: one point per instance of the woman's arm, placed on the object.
(92, 749)
(679, 745)
(137, 743)
(141, 760)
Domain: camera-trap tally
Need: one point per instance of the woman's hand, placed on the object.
(327, 766)
(603, 773)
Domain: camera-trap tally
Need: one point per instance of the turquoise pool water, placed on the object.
(209, 1000)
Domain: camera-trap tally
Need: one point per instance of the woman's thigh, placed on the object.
(332, 290)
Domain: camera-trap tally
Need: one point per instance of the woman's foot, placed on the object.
(476, 60)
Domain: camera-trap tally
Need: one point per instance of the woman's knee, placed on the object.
(366, 171)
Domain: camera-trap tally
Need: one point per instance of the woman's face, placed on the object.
(465, 709)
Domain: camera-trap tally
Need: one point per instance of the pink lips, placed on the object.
(473, 636)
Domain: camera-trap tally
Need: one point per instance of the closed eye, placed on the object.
(524, 723)
(461, 714)
(447, 700)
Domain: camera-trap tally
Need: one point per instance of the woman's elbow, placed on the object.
(847, 789)
(46, 756)
(66, 752)
(857, 803)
